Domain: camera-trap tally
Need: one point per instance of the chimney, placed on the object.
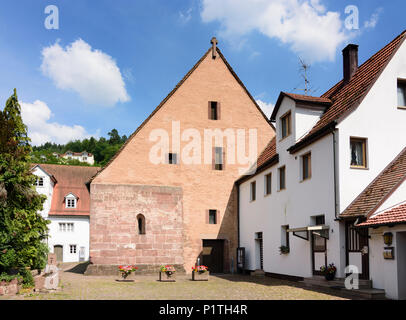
(350, 61)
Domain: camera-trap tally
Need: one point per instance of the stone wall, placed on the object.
(114, 236)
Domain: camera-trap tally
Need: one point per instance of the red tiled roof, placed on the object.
(347, 97)
(268, 153)
(70, 179)
(392, 216)
(379, 189)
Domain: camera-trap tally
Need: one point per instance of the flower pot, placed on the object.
(167, 276)
(200, 276)
(330, 276)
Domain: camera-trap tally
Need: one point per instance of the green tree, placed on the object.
(114, 137)
(22, 229)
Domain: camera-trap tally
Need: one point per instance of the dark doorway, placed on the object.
(58, 250)
(357, 248)
(213, 255)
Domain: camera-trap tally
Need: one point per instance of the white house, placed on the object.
(81, 156)
(294, 212)
(67, 207)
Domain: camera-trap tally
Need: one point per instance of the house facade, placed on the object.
(178, 206)
(80, 156)
(67, 207)
(293, 213)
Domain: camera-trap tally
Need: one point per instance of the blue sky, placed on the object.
(132, 53)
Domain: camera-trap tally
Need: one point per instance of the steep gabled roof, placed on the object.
(172, 93)
(306, 100)
(379, 189)
(70, 179)
(393, 216)
(346, 98)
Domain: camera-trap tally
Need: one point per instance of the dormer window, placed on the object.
(70, 201)
(286, 127)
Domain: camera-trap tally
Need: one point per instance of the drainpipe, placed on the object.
(335, 175)
(238, 213)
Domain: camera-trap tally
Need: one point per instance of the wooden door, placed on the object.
(357, 248)
(319, 253)
(58, 250)
(213, 255)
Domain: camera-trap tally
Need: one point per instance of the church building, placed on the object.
(168, 195)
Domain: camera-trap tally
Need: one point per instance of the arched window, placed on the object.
(141, 224)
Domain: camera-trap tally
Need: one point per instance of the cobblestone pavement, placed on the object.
(76, 286)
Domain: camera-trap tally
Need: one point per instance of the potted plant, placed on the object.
(329, 271)
(167, 274)
(284, 249)
(200, 273)
(125, 271)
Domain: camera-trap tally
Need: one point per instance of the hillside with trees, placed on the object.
(103, 150)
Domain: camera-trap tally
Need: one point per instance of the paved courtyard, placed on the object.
(76, 286)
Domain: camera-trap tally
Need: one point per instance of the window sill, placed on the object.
(267, 195)
(359, 168)
(402, 107)
(284, 138)
(304, 180)
(280, 190)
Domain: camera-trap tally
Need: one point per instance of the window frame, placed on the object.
(401, 83)
(364, 142)
(214, 213)
(217, 110)
(286, 238)
(279, 178)
(170, 158)
(68, 202)
(253, 191)
(267, 191)
(75, 247)
(309, 169)
(219, 166)
(288, 116)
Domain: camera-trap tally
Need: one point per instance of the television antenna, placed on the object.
(304, 69)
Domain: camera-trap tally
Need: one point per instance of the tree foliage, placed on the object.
(102, 149)
(22, 228)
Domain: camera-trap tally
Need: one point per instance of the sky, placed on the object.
(107, 64)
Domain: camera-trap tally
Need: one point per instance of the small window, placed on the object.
(402, 93)
(141, 224)
(268, 184)
(218, 158)
(306, 166)
(320, 220)
(84, 158)
(62, 227)
(173, 158)
(285, 236)
(39, 182)
(72, 248)
(358, 153)
(213, 110)
(70, 203)
(282, 178)
(286, 125)
(66, 227)
(253, 191)
(212, 216)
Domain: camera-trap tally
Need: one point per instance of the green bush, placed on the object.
(28, 279)
(8, 278)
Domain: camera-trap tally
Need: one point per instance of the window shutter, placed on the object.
(218, 111)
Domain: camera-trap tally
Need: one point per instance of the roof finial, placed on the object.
(214, 43)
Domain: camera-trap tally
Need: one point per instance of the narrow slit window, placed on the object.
(173, 158)
(282, 178)
(268, 184)
(306, 166)
(218, 158)
(214, 110)
(253, 191)
(212, 216)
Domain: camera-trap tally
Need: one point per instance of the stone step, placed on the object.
(365, 290)
(338, 282)
(258, 273)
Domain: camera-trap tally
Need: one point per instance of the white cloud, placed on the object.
(267, 108)
(305, 25)
(372, 22)
(93, 74)
(36, 117)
